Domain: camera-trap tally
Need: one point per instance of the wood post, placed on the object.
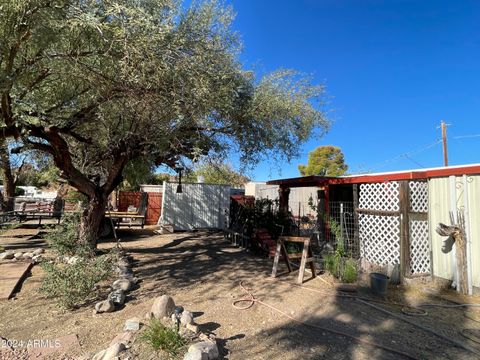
(404, 197)
(283, 193)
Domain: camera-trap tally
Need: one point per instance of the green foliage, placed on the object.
(72, 285)
(160, 337)
(324, 160)
(350, 272)
(115, 81)
(64, 238)
(19, 191)
(218, 173)
(74, 196)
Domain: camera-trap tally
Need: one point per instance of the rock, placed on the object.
(195, 355)
(113, 351)
(7, 255)
(122, 284)
(28, 255)
(130, 277)
(207, 347)
(18, 255)
(132, 324)
(192, 327)
(163, 306)
(123, 263)
(105, 306)
(39, 251)
(186, 318)
(124, 338)
(124, 271)
(149, 315)
(37, 258)
(203, 337)
(117, 296)
(99, 355)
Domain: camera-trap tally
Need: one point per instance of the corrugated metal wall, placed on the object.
(199, 206)
(443, 197)
(297, 200)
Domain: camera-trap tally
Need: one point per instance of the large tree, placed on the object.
(218, 172)
(97, 84)
(324, 160)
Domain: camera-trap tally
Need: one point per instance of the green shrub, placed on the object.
(64, 239)
(342, 268)
(350, 273)
(160, 337)
(72, 285)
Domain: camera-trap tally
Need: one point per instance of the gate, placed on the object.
(132, 198)
(418, 228)
(393, 225)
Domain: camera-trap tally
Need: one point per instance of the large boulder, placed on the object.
(163, 306)
(206, 347)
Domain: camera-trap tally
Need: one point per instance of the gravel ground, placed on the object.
(202, 272)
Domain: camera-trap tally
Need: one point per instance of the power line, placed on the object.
(466, 136)
(407, 155)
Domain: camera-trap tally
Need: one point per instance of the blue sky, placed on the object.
(393, 70)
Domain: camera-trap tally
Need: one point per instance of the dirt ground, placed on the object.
(202, 272)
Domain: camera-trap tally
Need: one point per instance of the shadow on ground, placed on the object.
(207, 270)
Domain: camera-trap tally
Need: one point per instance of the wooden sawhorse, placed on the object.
(306, 256)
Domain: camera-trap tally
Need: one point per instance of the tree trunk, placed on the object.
(8, 192)
(92, 219)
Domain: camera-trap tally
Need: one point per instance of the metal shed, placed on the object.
(198, 206)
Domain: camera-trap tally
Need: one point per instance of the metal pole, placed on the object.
(341, 222)
(467, 235)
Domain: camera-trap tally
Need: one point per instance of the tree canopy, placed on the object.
(97, 84)
(218, 173)
(324, 160)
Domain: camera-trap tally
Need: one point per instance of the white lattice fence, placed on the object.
(380, 238)
(379, 196)
(418, 196)
(419, 247)
(379, 234)
(419, 242)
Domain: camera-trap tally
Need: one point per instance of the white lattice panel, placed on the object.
(380, 238)
(419, 247)
(418, 196)
(379, 196)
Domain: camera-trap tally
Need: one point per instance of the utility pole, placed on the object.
(444, 139)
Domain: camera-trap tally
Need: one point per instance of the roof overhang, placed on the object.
(418, 174)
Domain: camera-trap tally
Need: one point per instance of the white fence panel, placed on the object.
(198, 206)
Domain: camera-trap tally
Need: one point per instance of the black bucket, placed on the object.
(379, 283)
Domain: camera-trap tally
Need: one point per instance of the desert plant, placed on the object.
(64, 238)
(162, 338)
(349, 274)
(73, 284)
